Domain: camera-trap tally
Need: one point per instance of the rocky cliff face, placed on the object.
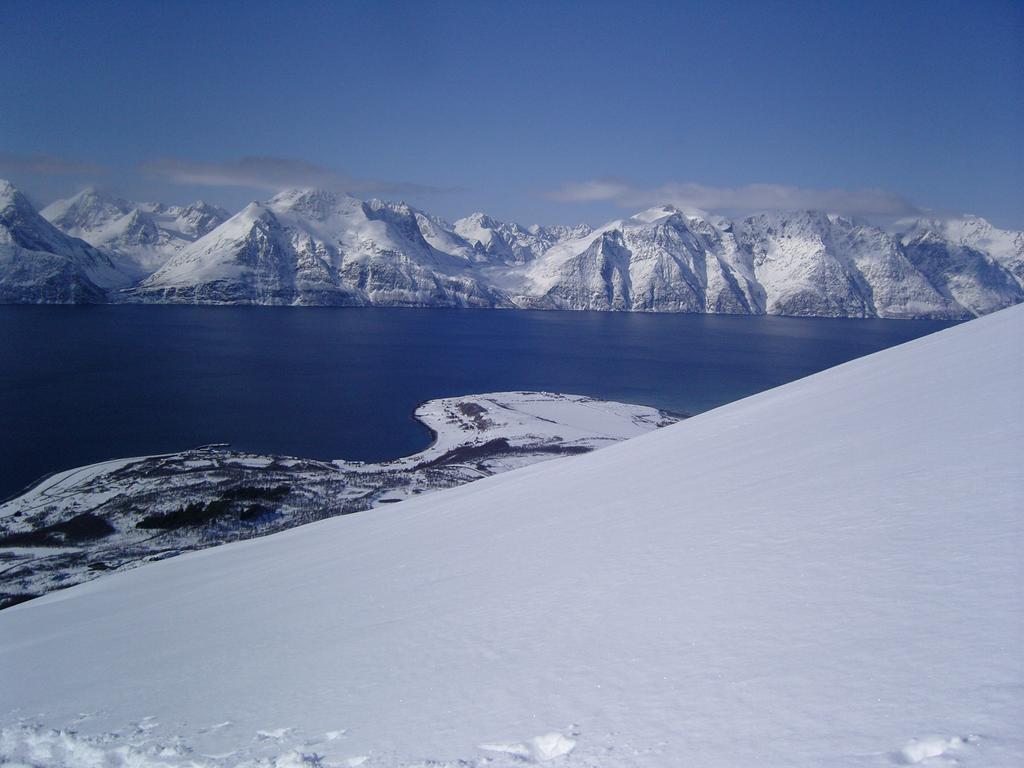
(311, 247)
(809, 263)
(968, 276)
(804, 263)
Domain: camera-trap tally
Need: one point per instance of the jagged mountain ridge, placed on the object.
(803, 263)
(141, 237)
(313, 247)
(510, 243)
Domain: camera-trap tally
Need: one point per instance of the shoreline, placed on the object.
(77, 524)
(949, 320)
(434, 436)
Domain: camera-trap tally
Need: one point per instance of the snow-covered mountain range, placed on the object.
(824, 574)
(313, 247)
(140, 236)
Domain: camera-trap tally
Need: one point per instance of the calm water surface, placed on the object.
(83, 384)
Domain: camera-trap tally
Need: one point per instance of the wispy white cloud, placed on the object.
(746, 198)
(48, 165)
(275, 173)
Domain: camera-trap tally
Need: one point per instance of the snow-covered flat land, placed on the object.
(825, 574)
(114, 515)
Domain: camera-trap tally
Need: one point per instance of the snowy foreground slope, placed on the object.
(825, 574)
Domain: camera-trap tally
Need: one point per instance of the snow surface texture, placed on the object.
(311, 247)
(82, 523)
(825, 574)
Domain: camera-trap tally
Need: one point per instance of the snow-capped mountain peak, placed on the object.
(41, 264)
(140, 236)
(477, 228)
(200, 217)
(480, 220)
(89, 210)
(656, 214)
(9, 194)
(313, 203)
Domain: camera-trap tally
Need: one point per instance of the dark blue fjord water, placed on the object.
(83, 384)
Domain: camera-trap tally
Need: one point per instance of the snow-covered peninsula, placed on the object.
(827, 573)
(88, 521)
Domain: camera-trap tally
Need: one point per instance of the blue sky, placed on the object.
(547, 112)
